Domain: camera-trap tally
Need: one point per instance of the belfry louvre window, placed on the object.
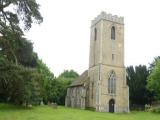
(113, 57)
(113, 36)
(112, 83)
(95, 34)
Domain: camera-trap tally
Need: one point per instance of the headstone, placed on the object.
(29, 106)
(41, 103)
(54, 105)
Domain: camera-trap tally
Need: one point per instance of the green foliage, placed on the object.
(154, 80)
(26, 11)
(18, 50)
(23, 77)
(153, 64)
(25, 54)
(63, 84)
(8, 44)
(64, 80)
(54, 89)
(137, 81)
(155, 110)
(9, 76)
(69, 74)
(13, 12)
(32, 86)
(48, 81)
(19, 84)
(45, 71)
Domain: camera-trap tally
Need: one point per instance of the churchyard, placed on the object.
(11, 112)
(29, 90)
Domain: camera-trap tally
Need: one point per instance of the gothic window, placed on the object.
(113, 33)
(112, 83)
(95, 34)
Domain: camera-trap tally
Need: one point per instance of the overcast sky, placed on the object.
(62, 40)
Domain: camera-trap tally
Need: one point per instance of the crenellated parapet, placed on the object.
(109, 17)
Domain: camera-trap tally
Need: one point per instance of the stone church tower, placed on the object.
(108, 89)
(103, 86)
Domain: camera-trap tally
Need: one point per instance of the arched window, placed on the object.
(113, 33)
(95, 34)
(112, 83)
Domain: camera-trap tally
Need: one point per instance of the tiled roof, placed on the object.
(81, 79)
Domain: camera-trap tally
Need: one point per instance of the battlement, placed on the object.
(109, 17)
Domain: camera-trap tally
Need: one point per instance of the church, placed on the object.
(103, 86)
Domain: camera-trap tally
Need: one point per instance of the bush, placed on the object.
(137, 107)
(156, 110)
(90, 108)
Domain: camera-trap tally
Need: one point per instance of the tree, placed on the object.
(55, 88)
(12, 13)
(153, 83)
(63, 84)
(20, 81)
(137, 81)
(153, 64)
(69, 74)
(22, 53)
(19, 84)
(25, 54)
(65, 79)
(48, 81)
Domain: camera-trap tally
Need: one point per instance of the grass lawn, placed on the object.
(10, 112)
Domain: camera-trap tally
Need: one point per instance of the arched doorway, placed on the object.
(111, 105)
